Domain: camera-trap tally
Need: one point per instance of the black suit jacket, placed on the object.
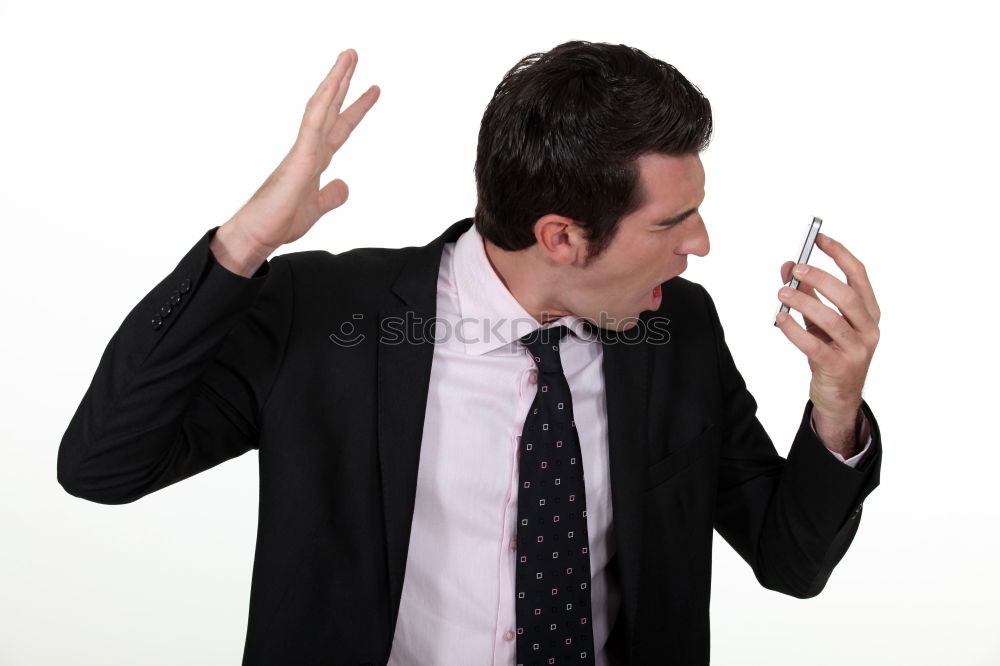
(210, 364)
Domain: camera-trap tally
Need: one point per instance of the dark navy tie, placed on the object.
(552, 580)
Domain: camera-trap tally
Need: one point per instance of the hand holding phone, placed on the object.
(811, 232)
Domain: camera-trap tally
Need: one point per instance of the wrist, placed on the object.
(236, 251)
(839, 415)
(838, 431)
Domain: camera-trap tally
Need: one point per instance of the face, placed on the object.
(650, 246)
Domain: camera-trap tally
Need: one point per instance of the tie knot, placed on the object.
(543, 343)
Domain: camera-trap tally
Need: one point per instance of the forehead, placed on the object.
(671, 183)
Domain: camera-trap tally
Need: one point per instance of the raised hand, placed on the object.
(291, 201)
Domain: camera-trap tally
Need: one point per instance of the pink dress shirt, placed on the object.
(457, 605)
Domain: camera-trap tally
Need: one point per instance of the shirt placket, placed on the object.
(505, 642)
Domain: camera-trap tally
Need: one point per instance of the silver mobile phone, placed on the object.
(807, 247)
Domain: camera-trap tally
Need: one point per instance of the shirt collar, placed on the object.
(490, 316)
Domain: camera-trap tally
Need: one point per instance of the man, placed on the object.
(406, 514)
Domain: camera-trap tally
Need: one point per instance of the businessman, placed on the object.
(541, 484)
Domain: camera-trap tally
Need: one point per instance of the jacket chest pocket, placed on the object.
(681, 458)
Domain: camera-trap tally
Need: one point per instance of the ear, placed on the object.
(561, 239)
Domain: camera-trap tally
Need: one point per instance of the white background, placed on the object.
(129, 129)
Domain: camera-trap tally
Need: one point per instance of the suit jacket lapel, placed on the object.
(626, 384)
(403, 380)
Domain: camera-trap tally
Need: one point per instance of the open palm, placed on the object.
(291, 200)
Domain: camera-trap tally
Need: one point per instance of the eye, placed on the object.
(665, 227)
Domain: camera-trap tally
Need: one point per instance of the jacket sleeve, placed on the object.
(790, 520)
(181, 384)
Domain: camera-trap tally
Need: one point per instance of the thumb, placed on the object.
(786, 271)
(332, 195)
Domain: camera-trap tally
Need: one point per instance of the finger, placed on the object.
(807, 289)
(786, 271)
(317, 106)
(815, 349)
(345, 82)
(857, 275)
(810, 324)
(333, 195)
(829, 321)
(351, 117)
(845, 297)
(786, 278)
(336, 72)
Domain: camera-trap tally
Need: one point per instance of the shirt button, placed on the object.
(508, 635)
(513, 543)
(533, 377)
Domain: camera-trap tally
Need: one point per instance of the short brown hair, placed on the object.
(562, 134)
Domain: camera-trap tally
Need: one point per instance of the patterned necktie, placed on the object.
(553, 562)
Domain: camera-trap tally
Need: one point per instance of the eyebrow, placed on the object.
(676, 218)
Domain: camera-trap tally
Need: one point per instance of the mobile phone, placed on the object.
(807, 245)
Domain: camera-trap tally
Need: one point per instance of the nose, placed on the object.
(696, 242)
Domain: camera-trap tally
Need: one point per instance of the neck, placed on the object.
(523, 276)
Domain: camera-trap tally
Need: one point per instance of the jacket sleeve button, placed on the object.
(165, 310)
(157, 322)
(185, 285)
(175, 298)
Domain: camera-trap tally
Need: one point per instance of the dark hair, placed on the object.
(563, 131)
